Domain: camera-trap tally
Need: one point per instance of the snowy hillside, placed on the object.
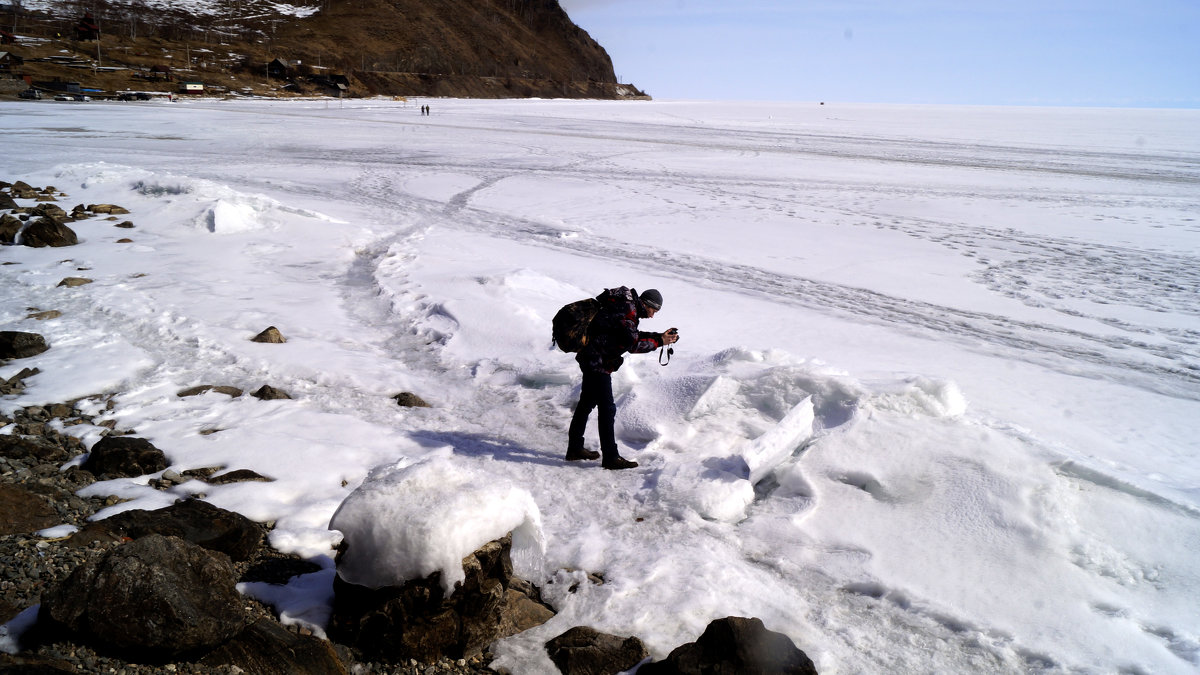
(935, 407)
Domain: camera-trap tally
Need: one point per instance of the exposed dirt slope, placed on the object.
(472, 48)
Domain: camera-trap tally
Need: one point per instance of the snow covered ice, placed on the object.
(935, 406)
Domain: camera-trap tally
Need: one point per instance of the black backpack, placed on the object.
(570, 324)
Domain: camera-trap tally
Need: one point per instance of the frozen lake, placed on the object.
(994, 312)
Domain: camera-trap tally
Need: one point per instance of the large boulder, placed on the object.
(266, 648)
(48, 232)
(417, 621)
(124, 456)
(20, 345)
(23, 512)
(9, 227)
(155, 598)
(586, 651)
(193, 520)
(735, 646)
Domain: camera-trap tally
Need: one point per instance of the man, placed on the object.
(613, 332)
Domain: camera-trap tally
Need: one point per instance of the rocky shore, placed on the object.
(157, 591)
(35, 493)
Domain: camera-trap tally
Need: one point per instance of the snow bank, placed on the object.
(409, 520)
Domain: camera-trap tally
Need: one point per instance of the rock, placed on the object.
(111, 209)
(269, 393)
(31, 447)
(266, 648)
(48, 232)
(408, 399)
(239, 476)
(124, 240)
(416, 620)
(155, 598)
(735, 646)
(124, 456)
(279, 570)
(72, 282)
(20, 345)
(34, 665)
(269, 335)
(192, 520)
(521, 612)
(42, 316)
(53, 211)
(9, 227)
(586, 651)
(233, 392)
(124, 224)
(23, 512)
(6, 201)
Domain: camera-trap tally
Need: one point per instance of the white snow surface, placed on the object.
(935, 406)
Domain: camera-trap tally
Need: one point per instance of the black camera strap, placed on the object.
(668, 351)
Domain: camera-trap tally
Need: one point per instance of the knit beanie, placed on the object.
(651, 298)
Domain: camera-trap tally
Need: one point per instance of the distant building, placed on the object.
(160, 72)
(7, 38)
(87, 28)
(9, 59)
(191, 87)
(60, 86)
(281, 69)
(332, 84)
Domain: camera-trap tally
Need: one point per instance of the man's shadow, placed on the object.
(478, 445)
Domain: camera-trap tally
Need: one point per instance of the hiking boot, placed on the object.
(576, 454)
(617, 463)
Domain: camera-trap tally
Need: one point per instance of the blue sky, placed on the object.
(1013, 52)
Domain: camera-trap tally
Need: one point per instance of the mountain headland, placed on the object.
(458, 48)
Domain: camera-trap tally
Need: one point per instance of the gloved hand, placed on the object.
(671, 336)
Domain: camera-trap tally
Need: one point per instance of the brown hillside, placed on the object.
(470, 48)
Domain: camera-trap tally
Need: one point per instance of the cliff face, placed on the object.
(480, 48)
(454, 47)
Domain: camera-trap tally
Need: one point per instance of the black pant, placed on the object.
(596, 392)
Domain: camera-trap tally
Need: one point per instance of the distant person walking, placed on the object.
(613, 332)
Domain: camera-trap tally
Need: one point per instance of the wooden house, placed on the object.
(87, 28)
(8, 60)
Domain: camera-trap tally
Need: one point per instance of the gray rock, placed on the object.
(20, 345)
(586, 651)
(34, 665)
(735, 646)
(9, 227)
(269, 393)
(238, 476)
(48, 232)
(155, 598)
(233, 392)
(23, 512)
(266, 648)
(408, 399)
(192, 520)
(269, 335)
(125, 456)
(416, 620)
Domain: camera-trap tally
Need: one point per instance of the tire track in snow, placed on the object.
(1152, 367)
